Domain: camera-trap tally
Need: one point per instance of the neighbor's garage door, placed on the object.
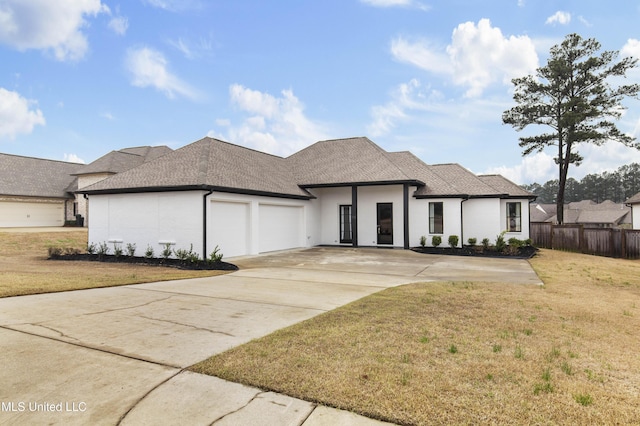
(281, 227)
(229, 228)
(26, 214)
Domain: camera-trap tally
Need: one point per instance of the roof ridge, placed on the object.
(240, 146)
(43, 159)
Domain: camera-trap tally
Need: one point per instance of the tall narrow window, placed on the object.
(436, 220)
(345, 224)
(514, 218)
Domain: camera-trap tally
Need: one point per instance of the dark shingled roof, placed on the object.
(465, 182)
(504, 185)
(634, 200)
(36, 177)
(211, 164)
(124, 159)
(344, 161)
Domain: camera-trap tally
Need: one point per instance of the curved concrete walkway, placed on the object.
(118, 355)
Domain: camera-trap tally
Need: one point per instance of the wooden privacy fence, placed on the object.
(623, 243)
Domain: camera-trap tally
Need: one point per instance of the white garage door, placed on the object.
(229, 228)
(25, 214)
(281, 227)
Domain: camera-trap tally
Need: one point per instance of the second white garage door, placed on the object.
(281, 227)
(229, 228)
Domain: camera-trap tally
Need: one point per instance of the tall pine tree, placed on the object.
(572, 96)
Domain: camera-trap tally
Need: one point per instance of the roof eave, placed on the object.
(412, 182)
(195, 188)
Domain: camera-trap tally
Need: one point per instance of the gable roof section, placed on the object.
(504, 185)
(634, 200)
(208, 164)
(36, 177)
(464, 183)
(434, 184)
(124, 159)
(344, 162)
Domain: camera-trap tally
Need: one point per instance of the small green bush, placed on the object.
(501, 245)
(423, 241)
(91, 248)
(485, 243)
(215, 255)
(453, 241)
(103, 248)
(148, 253)
(472, 241)
(166, 252)
(436, 240)
(131, 249)
(117, 250)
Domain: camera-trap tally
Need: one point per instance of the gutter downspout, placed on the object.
(462, 221)
(204, 223)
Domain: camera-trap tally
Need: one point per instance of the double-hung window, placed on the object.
(436, 220)
(514, 217)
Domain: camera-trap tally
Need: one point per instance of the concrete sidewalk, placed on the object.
(118, 355)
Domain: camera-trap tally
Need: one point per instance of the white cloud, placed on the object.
(539, 167)
(560, 17)
(277, 125)
(107, 115)
(175, 5)
(193, 49)
(149, 68)
(631, 48)
(406, 98)
(478, 56)
(16, 114)
(73, 158)
(396, 3)
(46, 24)
(119, 25)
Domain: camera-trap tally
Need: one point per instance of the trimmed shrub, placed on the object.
(436, 240)
(423, 241)
(472, 241)
(453, 241)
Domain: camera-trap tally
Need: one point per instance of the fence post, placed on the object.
(581, 241)
(623, 243)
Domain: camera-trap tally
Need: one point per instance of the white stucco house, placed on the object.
(347, 192)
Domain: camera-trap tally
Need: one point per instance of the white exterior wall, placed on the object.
(524, 221)
(147, 219)
(482, 219)
(419, 220)
(635, 216)
(368, 198)
(328, 213)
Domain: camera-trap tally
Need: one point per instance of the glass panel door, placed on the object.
(385, 223)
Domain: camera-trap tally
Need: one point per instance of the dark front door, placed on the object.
(385, 223)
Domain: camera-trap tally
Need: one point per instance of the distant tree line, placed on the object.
(616, 186)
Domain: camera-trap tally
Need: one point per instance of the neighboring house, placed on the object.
(36, 192)
(337, 192)
(587, 213)
(634, 204)
(113, 163)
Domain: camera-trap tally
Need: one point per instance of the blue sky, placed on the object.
(81, 78)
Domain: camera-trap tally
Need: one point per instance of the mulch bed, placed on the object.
(172, 263)
(526, 252)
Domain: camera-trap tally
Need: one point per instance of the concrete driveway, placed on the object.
(117, 355)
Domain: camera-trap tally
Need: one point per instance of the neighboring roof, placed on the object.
(344, 161)
(585, 211)
(124, 159)
(35, 177)
(208, 164)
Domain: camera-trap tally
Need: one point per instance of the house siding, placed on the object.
(148, 219)
(482, 218)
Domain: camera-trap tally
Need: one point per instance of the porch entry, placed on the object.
(385, 223)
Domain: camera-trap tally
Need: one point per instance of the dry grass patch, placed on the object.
(24, 268)
(442, 353)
